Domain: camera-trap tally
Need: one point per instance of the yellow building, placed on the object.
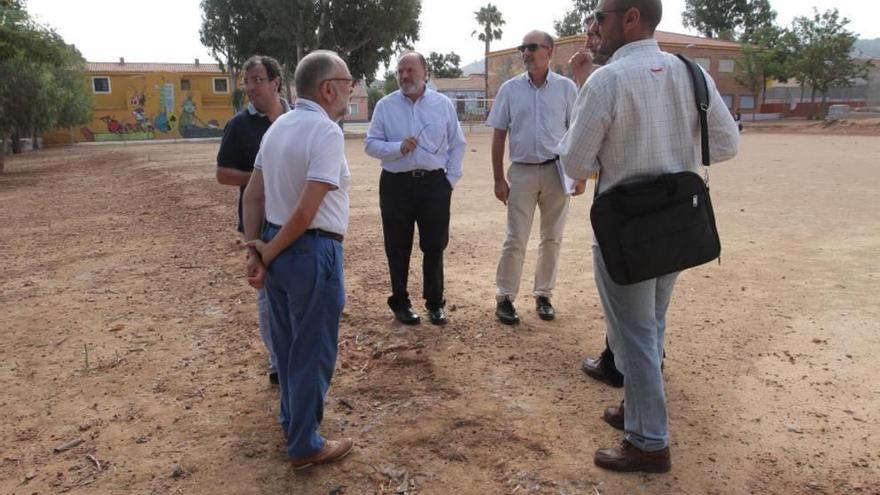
(143, 101)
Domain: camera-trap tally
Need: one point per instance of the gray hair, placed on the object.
(548, 40)
(417, 54)
(312, 69)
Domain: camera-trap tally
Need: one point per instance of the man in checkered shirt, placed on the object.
(636, 118)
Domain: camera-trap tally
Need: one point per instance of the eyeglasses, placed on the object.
(428, 148)
(600, 15)
(255, 80)
(351, 81)
(532, 47)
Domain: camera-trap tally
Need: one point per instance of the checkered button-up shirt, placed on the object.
(636, 117)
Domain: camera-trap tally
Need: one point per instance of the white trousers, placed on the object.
(531, 186)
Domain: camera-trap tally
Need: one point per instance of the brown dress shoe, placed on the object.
(613, 415)
(333, 451)
(627, 458)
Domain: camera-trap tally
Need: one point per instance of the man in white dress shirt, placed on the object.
(415, 133)
(300, 186)
(635, 118)
(535, 107)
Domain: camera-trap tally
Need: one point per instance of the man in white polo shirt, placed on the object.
(536, 108)
(415, 132)
(300, 182)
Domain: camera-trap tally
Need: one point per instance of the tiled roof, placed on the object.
(150, 67)
(663, 38)
(473, 82)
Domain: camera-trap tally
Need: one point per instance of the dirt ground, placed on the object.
(127, 325)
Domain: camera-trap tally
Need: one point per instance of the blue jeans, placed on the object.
(636, 319)
(306, 292)
(263, 318)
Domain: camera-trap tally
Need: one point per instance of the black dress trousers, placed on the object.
(408, 199)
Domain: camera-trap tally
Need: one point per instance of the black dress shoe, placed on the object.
(437, 316)
(613, 415)
(273, 378)
(598, 370)
(505, 312)
(627, 458)
(544, 308)
(407, 316)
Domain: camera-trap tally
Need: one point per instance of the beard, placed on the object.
(411, 88)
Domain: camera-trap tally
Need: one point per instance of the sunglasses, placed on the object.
(532, 47)
(600, 15)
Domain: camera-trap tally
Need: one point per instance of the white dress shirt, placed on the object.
(636, 117)
(305, 145)
(536, 117)
(431, 119)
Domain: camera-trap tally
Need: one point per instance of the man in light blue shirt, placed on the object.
(535, 107)
(416, 135)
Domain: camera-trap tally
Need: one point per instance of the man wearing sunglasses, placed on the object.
(416, 135)
(535, 108)
(238, 149)
(636, 117)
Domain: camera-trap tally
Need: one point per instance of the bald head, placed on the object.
(314, 68)
(548, 40)
(650, 11)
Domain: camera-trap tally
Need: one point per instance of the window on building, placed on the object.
(704, 63)
(101, 85)
(353, 108)
(725, 65)
(185, 85)
(747, 102)
(728, 100)
(221, 85)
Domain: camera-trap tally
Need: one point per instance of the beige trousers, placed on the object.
(531, 186)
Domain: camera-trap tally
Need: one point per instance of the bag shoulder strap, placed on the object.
(701, 95)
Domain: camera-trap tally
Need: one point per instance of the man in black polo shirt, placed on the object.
(238, 150)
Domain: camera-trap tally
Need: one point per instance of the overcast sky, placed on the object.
(168, 30)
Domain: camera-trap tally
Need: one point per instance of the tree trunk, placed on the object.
(2, 153)
(486, 78)
(16, 143)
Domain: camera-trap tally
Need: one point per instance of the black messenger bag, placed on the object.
(661, 225)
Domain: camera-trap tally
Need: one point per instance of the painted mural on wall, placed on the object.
(191, 126)
(138, 125)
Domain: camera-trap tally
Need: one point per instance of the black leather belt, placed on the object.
(420, 172)
(317, 232)
(545, 162)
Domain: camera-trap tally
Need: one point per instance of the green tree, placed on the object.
(233, 31)
(822, 54)
(765, 55)
(575, 20)
(489, 18)
(444, 65)
(41, 78)
(374, 94)
(390, 82)
(727, 19)
(365, 33)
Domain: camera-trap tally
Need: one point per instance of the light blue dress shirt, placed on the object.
(431, 119)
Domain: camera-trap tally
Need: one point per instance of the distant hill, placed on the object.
(867, 48)
(475, 67)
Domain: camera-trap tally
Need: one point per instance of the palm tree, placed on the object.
(489, 18)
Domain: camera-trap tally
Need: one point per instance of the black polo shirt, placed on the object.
(241, 142)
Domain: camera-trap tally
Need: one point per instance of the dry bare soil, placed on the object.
(127, 326)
